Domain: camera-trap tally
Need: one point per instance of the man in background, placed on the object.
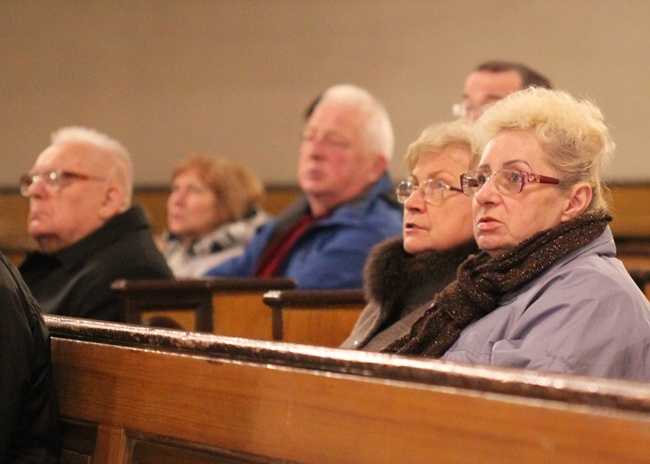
(492, 81)
(347, 204)
(87, 231)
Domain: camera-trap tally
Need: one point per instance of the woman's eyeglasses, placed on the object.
(432, 190)
(507, 181)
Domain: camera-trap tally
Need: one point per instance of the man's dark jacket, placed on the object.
(29, 415)
(76, 280)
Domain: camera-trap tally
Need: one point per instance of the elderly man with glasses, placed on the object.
(347, 204)
(88, 232)
(491, 81)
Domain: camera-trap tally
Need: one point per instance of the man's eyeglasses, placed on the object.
(507, 181)
(465, 111)
(52, 180)
(432, 191)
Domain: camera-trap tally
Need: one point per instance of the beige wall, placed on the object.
(233, 77)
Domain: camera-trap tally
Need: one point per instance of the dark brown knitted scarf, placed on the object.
(482, 281)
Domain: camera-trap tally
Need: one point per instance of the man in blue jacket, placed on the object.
(347, 204)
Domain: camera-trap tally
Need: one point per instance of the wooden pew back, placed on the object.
(629, 219)
(314, 317)
(642, 278)
(225, 306)
(15, 242)
(132, 394)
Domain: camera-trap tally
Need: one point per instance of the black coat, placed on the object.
(76, 281)
(29, 416)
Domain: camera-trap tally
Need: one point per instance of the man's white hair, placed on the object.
(123, 171)
(378, 130)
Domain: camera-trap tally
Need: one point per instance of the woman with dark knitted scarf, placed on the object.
(546, 292)
(402, 274)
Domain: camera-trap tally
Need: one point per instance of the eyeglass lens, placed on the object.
(51, 180)
(431, 190)
(506, 181)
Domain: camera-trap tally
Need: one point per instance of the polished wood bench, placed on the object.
(225, 306)
(314, 317)
(134, 394)
(634, 252)
(642, 278)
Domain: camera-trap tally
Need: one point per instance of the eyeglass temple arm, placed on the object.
(467, 180)
(542, 179)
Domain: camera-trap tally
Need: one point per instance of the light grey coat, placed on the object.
(584, 315)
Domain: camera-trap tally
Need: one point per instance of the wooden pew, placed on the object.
(314, 317)
(225, 306)
(642, 278)
(634, 252)
(133, 394)
(15, 242)
(630, 221)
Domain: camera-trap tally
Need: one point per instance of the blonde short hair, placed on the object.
(572, 132)
(237, 189)
(438, 137)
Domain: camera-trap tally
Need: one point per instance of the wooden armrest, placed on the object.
(305, 299)
(208, 283)
(314, 317)
(192, 302)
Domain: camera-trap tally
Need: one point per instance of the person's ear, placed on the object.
(379, 165)
(578, 201)
(112, 202)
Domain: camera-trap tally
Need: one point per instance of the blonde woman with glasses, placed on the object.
(404, 273)
(547, 291)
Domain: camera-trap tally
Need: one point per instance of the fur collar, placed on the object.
(400, 282)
